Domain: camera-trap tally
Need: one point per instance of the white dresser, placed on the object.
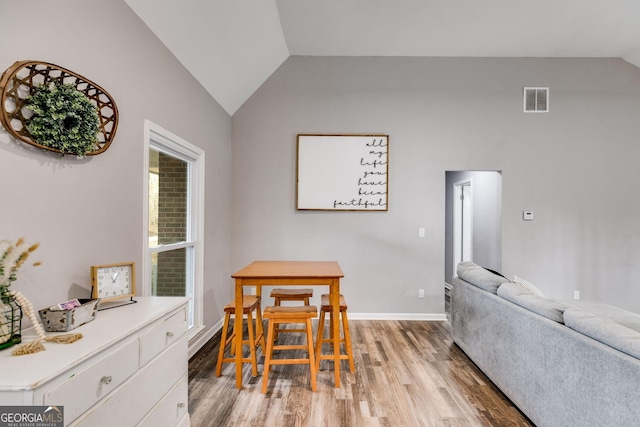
(130, 368)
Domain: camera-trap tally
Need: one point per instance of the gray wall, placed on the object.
(573, 167)
(487, 219)
(87, 212)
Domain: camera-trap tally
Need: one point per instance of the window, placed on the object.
(174, 200)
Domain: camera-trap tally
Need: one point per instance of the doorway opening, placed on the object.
(473, 223)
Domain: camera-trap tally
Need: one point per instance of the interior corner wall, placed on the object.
(572, 166)
(90, 211)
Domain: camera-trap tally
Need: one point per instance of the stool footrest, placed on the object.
(289, 361)
(331, 357)
(290, 347)
(291, 330)
(233, 360)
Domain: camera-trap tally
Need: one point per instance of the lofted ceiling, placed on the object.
(232, 46)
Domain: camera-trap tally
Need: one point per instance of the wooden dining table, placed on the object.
(289, 273)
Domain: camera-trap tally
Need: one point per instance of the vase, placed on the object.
(10, 321)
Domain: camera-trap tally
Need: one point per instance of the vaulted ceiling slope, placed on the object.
(232, 46)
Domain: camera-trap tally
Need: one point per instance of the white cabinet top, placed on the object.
(110, 328)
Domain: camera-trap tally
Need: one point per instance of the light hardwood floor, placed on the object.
(408, 373)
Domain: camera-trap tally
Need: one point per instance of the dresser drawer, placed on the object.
(162, 335)
(86, 387)
(171, 409)
(137, 396)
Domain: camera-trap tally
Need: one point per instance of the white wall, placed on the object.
(574, 167)
(89, 211)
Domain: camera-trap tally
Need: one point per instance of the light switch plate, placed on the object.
(527, 215)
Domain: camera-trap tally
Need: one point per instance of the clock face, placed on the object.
(113, 281)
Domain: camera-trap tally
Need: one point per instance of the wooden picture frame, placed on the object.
(342, 172)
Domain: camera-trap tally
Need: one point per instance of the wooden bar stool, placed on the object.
(289, 314)
(346, 338)
(250, 303)
(289, 294)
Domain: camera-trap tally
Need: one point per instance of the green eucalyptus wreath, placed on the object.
(63, 118)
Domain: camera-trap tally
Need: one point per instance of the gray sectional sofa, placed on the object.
(562, 363)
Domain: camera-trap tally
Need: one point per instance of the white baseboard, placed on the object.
(202, 338)
(434, 317)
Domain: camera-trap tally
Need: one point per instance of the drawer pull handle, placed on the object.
(169, 334)
(180, 405)
(106, 379)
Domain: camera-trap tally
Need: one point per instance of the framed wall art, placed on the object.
(342, 172)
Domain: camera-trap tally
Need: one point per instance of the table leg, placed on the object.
(260, 326)
(334, 294)
(237, 328)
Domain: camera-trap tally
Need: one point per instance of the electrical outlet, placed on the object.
(576, 294)
(420, 232)
(420, 293)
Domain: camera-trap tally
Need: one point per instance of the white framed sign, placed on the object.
(342, 172)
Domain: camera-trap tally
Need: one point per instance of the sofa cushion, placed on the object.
(618, 315)
(604, 330)
(523, 297)
(479, 276)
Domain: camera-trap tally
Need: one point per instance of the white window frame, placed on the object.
(166, 142)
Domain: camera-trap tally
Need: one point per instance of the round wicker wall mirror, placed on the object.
(19, 83)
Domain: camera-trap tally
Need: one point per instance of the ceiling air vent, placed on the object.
(536, 100)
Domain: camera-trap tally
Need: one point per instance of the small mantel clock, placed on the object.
(113, 281)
